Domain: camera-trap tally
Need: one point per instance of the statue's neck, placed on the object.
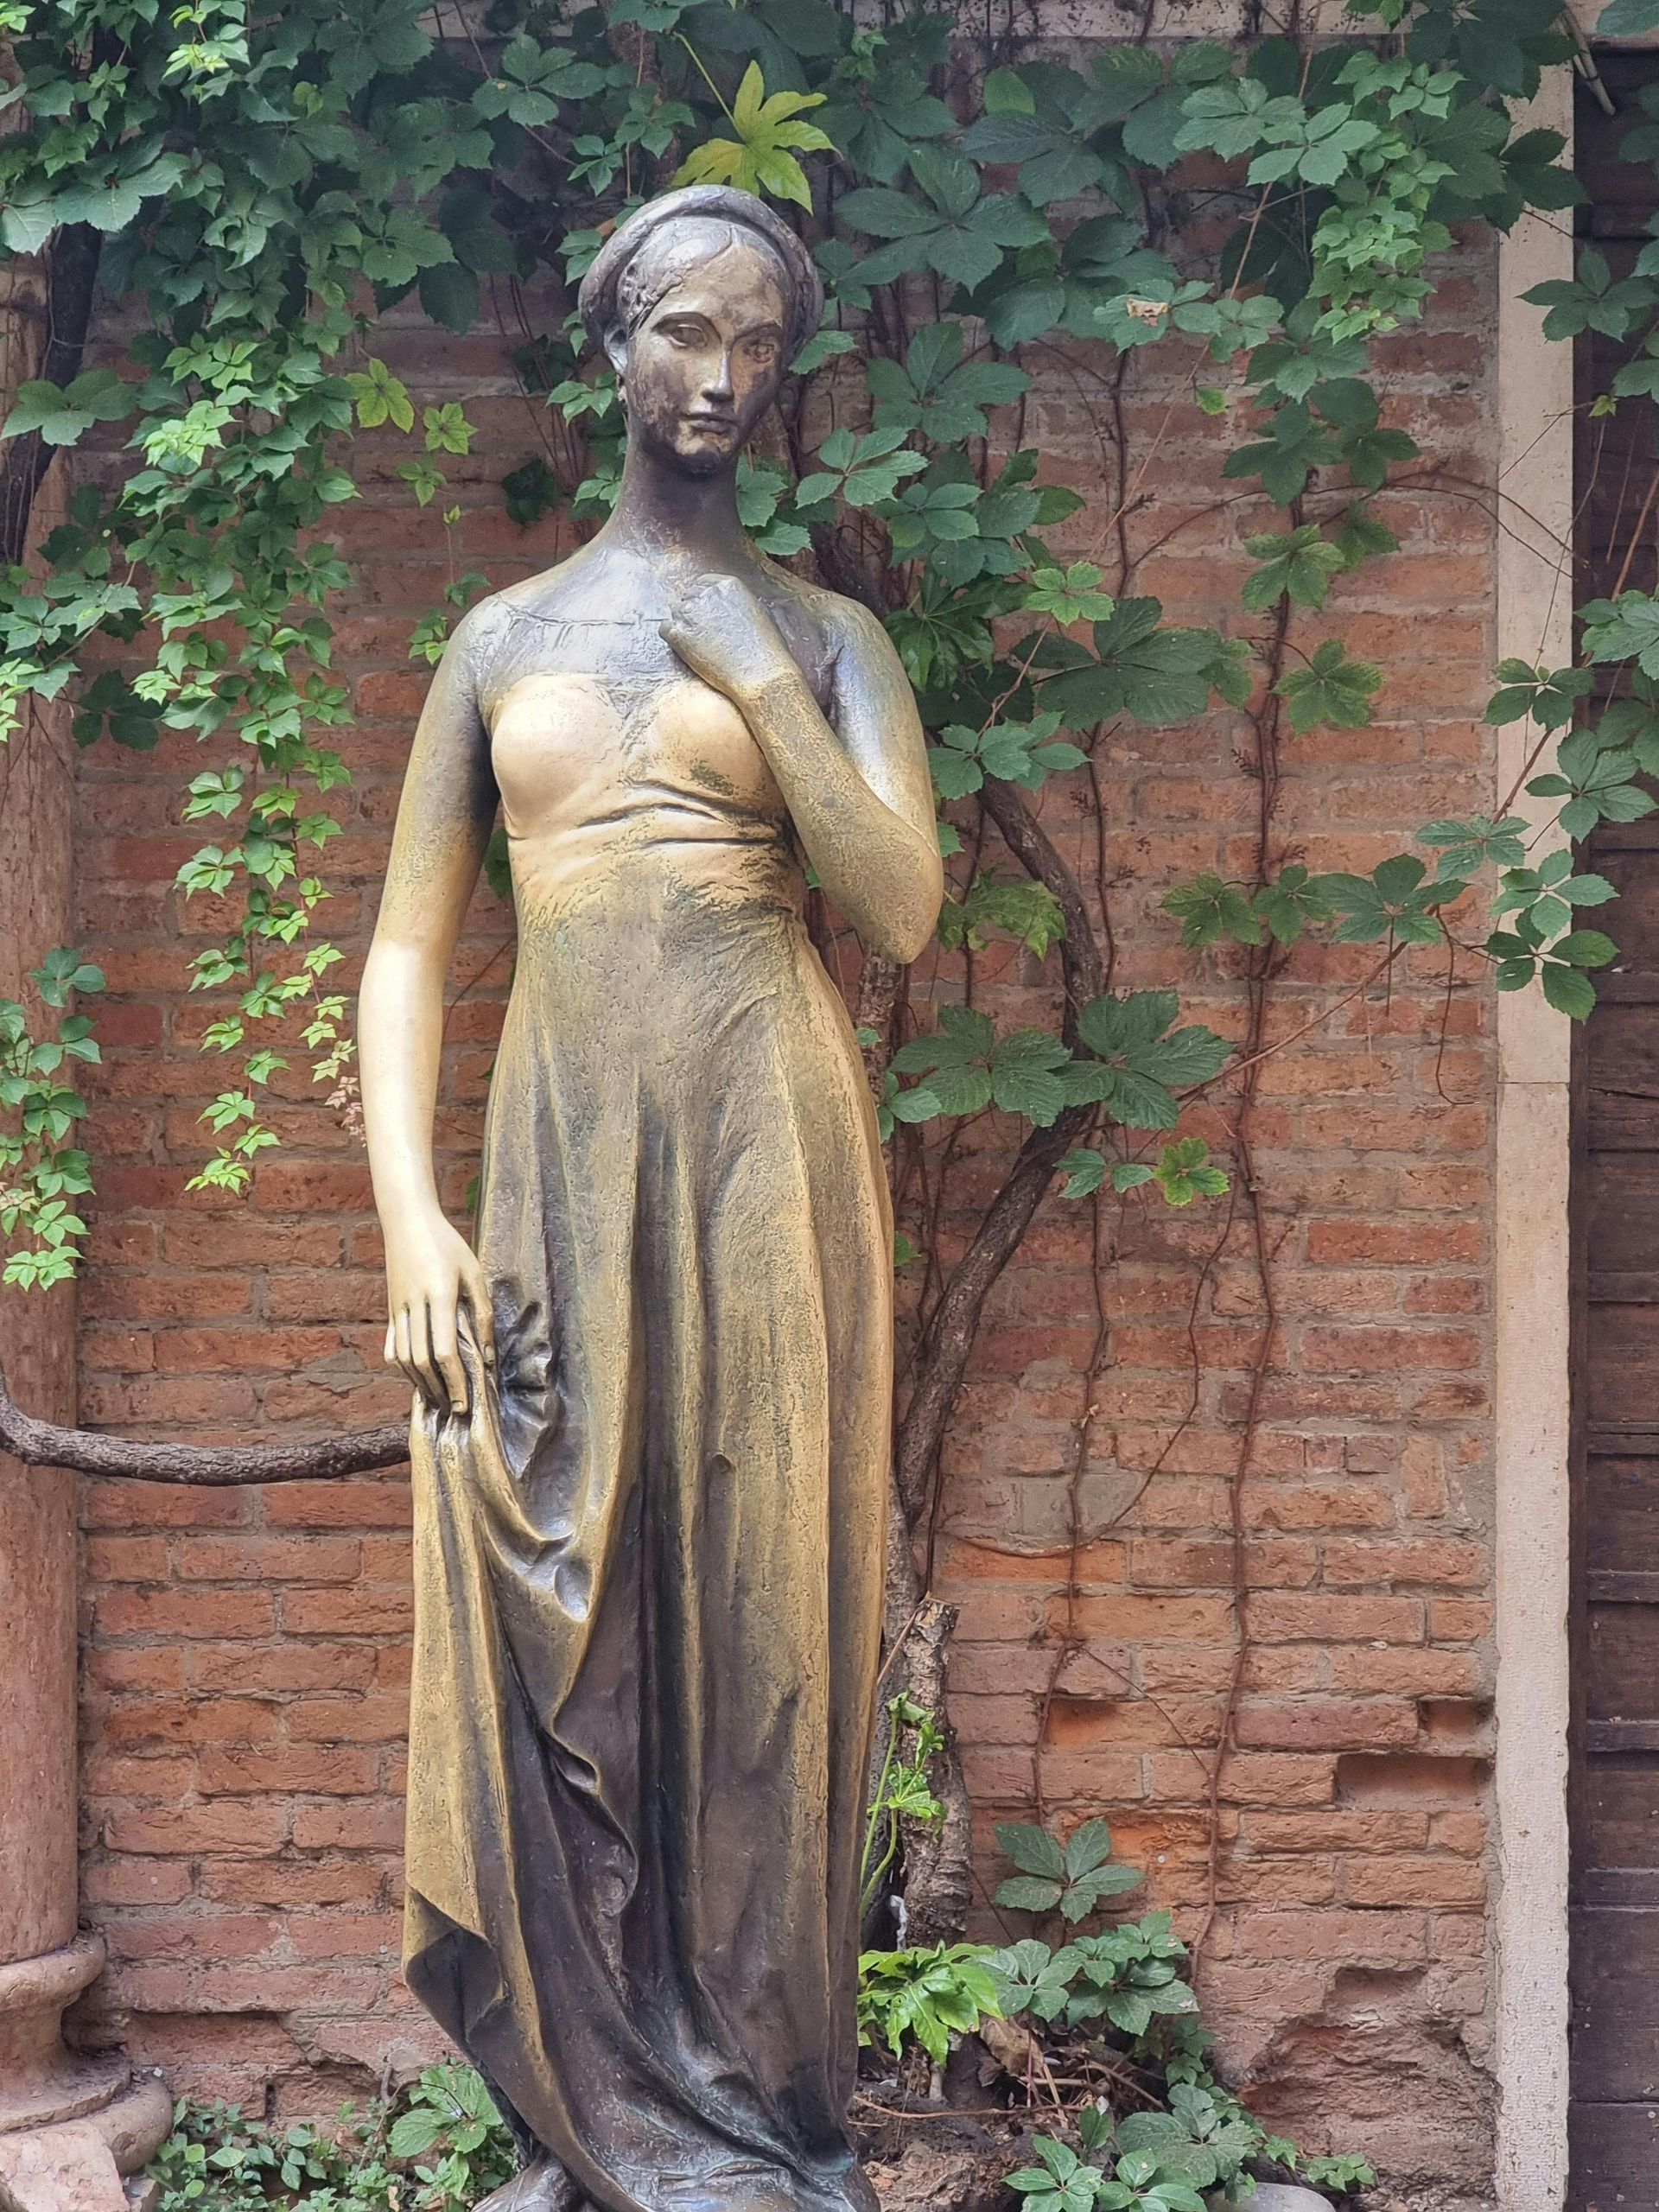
(663, 511)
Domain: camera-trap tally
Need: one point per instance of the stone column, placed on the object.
(71, 2125)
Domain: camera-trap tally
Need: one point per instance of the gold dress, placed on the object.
(648, 1565)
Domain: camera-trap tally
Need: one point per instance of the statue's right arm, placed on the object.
(444, 819)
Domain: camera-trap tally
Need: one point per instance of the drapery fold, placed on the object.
(649, 1563)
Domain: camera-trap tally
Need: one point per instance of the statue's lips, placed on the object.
(710, 422)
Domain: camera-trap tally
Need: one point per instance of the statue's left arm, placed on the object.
(859, 792)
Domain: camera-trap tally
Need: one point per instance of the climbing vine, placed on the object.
(256, 190)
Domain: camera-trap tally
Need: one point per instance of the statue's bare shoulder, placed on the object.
(597, 582)
(839, 644)
(850, 639)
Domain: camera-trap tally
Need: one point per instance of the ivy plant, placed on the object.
(42, 1171)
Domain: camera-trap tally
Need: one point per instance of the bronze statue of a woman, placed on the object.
(652, 1429)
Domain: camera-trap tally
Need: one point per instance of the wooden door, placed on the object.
(1614, 2123)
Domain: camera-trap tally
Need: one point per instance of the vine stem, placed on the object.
(1265, 722)
(89, 1452)
(697, 62)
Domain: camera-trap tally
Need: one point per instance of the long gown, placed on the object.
(648, 1565)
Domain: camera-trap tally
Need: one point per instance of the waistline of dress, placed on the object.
(719, 881)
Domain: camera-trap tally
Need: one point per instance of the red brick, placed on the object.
(216, 1987)
(1297, 1616)
(1148, 1620)
(151, 1505)
(379, 1504)
(185, 1613)
(247, 1826)
(1320, 1505)
(195, 1935)
(1336, 1831)
(1457, 1620)
(235, 1350)
(224, 1668)
(1276, 1778)
(134, 1881)
(355, 1612)
(1390, 1243)
(1324, 1725)
(1362, 1351)
(353, 1825)
(1413, 1882)
(269, 1558)
(108, 1773)
(1416, 1670)
(1346, 1938)
(128, 1559)
(285, 1882)
(312, 1771)
(1442, 1561)
(348, 1935)
(347, 1719)
(139, 1668)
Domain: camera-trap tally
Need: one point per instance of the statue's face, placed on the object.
(704, 364)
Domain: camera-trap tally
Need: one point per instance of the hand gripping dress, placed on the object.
(649, 1563)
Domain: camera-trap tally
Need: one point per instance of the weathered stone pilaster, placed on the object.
(71, 2124)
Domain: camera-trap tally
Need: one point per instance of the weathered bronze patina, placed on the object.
(651, 1428)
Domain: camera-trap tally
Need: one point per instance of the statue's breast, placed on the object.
(576, 748)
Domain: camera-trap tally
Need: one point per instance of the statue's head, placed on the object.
(701, 299)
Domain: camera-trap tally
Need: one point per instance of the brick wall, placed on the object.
(246, 1651)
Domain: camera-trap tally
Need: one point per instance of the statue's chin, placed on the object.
(706, 456)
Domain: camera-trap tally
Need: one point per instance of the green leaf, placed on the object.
(1144, 1059)
(1295, 445)
(1027, 1893)
(1297, 564)
(1585, 949)
(1152, 132)
(1568, 990)
(1626, 628)
(1209, 909)
(1033, 1850)
(1360, 536)
(1023, 908)
(61, 414)
(1395, 901)
(1183, 1173)
(450, 295)
(1089, 1846)
(1157, 674)
(1131, 2011)
(414, 2132)
(1291, 904)
(1332, 692)
(762, 158)
(1083, 1895)
(1084, 1171)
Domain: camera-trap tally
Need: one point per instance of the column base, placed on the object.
(72, 2125)
(81, 2166)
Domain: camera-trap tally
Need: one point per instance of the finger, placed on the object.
(402, 1355)
(390, 1353)
(481, 1307)
(427, 1378)
(445, 1356)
